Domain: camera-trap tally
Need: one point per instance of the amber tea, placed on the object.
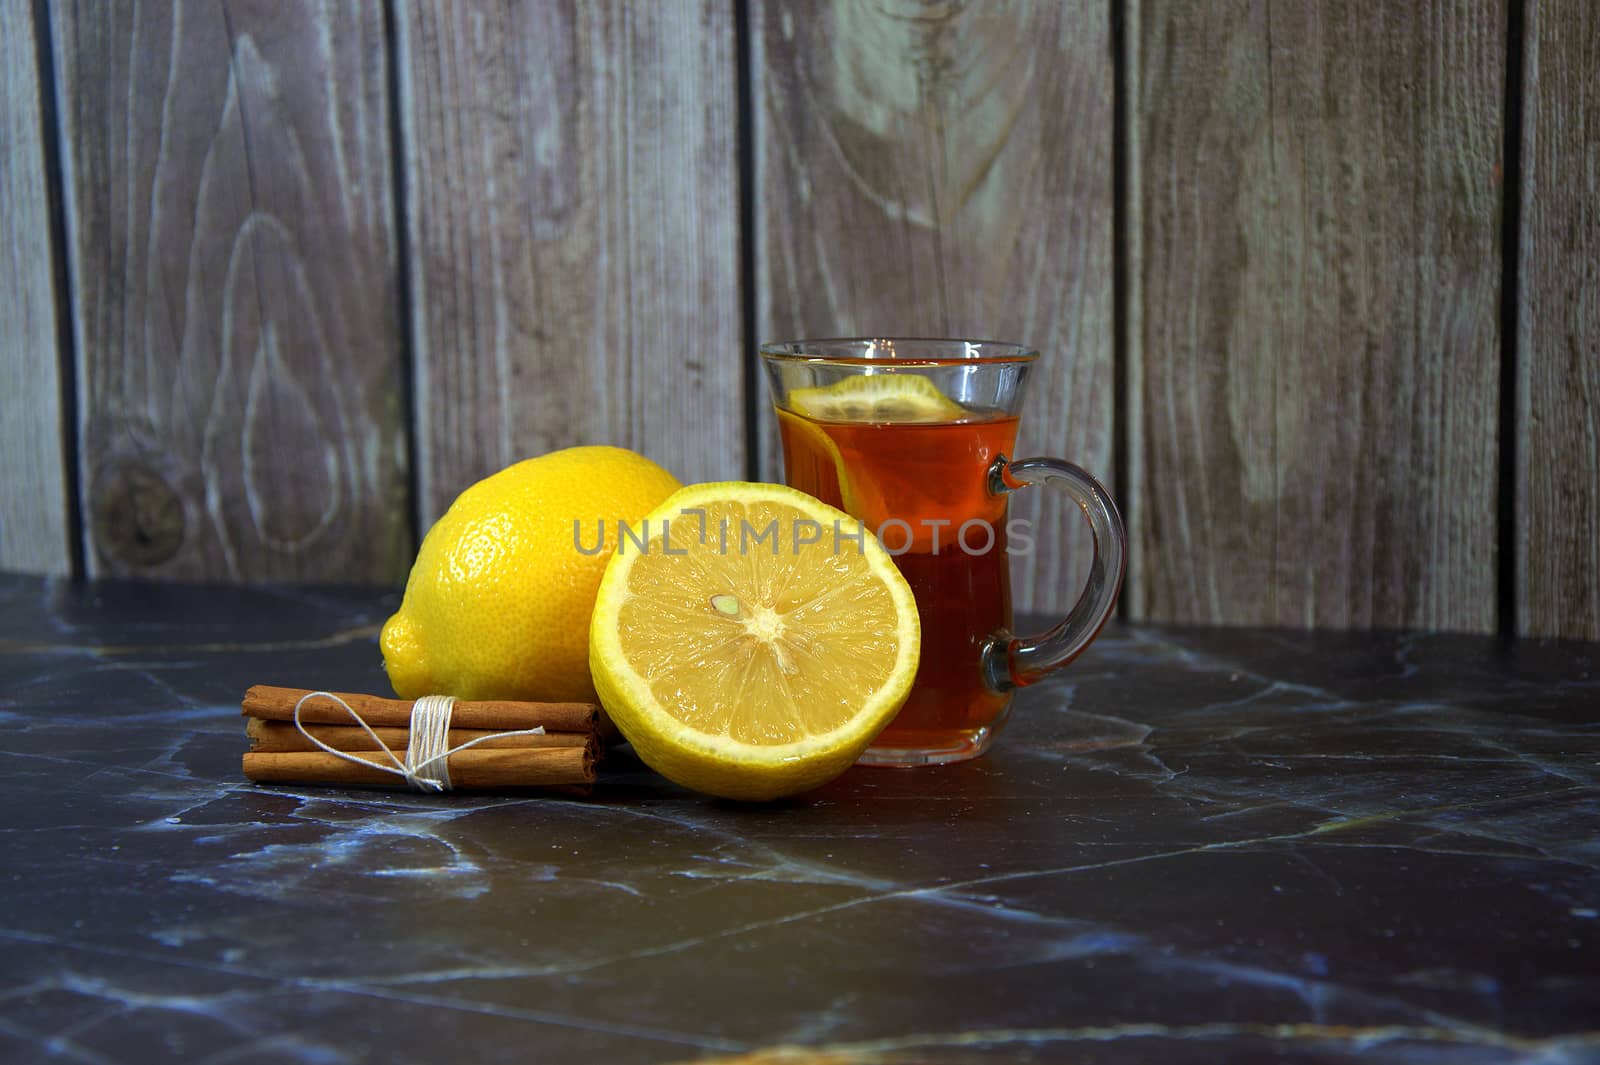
(923, 485)
(914, 437)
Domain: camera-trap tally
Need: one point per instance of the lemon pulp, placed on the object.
(750, 650)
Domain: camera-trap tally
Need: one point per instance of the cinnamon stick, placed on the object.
(282, 737)
(277, 704)
(537, 767)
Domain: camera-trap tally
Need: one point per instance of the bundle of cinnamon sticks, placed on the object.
(563, 757)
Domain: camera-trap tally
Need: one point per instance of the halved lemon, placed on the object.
(890, 397)
(757, 642)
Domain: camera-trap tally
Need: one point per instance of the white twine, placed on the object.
(428, 750)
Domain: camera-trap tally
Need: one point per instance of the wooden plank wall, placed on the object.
(302, 244)
(33, 493)
(572, 223)
(231, 230)
(1558, 366)
(948, 175)
(1315, 366)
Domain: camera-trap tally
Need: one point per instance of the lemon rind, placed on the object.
(821, 401)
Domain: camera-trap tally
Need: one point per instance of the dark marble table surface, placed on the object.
(1198, 845)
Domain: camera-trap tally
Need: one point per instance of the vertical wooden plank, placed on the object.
(231, 230)
(1558, 344)
(1317, 347)
(572, 223)
(945, 170)
(33, 493)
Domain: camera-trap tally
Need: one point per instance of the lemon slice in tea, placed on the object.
(755, 644)
(893, 397)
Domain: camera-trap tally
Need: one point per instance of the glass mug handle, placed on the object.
(1013, 661)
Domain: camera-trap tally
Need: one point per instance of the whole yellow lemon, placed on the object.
(500, 596)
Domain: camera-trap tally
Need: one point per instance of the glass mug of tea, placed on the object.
(912, 437)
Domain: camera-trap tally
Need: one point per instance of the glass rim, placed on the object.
(963, 352)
